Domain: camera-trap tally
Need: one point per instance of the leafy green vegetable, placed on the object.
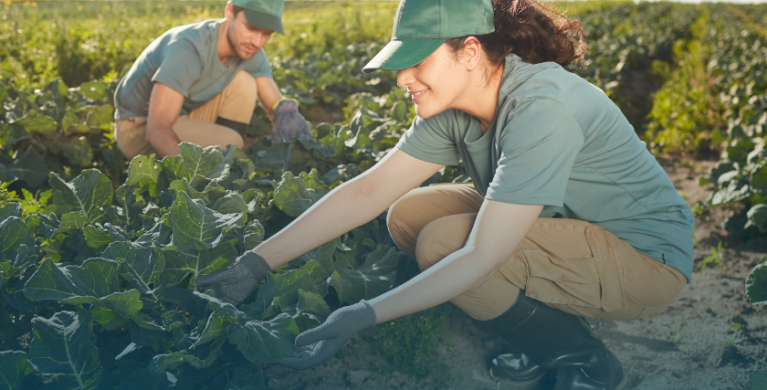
(65, 345)
(13, 366)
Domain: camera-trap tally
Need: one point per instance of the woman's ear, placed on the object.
(471, 53)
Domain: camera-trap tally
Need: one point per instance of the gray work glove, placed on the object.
(239, 280)
(288, 123)
(320, 344)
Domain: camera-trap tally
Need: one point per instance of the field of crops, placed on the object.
(99, 255)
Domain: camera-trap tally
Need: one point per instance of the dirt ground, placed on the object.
(693, 344)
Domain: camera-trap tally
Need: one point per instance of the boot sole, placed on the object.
(534, 381)
(624, 383)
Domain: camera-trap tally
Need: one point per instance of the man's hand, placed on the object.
(288, 123)
(320, 344)
(239, 280)
(164, 109)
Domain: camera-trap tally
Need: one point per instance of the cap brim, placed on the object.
(264, 20)
(402, 54)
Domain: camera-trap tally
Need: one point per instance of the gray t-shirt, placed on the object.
(560, 142)
(185, 59)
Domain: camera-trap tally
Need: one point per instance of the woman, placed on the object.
(569, 216)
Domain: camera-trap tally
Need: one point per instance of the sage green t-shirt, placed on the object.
(185, 59)
(560, 142)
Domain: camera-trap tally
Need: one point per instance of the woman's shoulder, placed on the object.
(523, 80)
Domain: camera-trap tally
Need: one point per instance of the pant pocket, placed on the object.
(594, 282)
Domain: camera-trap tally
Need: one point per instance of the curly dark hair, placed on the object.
(531, 30)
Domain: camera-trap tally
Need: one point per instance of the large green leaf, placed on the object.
(214, 329)
(293, 197)
(65, 345)
(95, 90)
(285, 286)
(265, 341)
(13, 365)
(144, 263)
(13, 233)
(376, 276)
(91, 192)
(94, 278)
(143, 168)
(161, 363)
(180, 263)
(29, 167)
(36, 122)
(756, 284)
(193, 223)
(193, 160)
(12, 209)
(124, 303)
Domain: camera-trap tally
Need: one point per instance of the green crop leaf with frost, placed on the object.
(65, 345)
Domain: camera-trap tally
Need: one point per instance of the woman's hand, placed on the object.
(239, 280)
(320, 344)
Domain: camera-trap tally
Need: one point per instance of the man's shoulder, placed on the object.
(197, 35)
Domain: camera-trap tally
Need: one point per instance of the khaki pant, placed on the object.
(236, 103)
(568, 264)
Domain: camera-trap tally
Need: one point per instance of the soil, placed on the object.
(693, 344)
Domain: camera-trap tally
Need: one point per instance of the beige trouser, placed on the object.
(568, 264)
(236, 103)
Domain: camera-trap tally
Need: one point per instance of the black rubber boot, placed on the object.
(556, 340)
(234, 125)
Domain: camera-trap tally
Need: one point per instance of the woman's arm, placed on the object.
(348, 206)
(497, 231)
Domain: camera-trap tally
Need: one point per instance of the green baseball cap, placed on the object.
(421, 26)
(263, 13)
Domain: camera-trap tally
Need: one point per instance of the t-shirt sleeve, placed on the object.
(259, 65)
(180, 68)
(429, 140)
(538, 145)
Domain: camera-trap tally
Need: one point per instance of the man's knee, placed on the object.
(243, 87)
(232, 138)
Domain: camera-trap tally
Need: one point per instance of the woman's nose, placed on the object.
(405, 77)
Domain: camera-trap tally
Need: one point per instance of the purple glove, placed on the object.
(288, 123)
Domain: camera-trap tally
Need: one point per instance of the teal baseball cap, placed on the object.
(421, 26)
(263, 13)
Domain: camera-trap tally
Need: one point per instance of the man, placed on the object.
(199, 83)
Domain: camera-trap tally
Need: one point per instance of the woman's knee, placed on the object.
(442, 237)
(402, 223)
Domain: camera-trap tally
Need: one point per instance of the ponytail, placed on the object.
(531, 30)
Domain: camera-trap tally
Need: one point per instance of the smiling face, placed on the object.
(437, 83)
(244, 38)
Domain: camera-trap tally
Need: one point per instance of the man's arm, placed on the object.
(268, 93)
(164, 109)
